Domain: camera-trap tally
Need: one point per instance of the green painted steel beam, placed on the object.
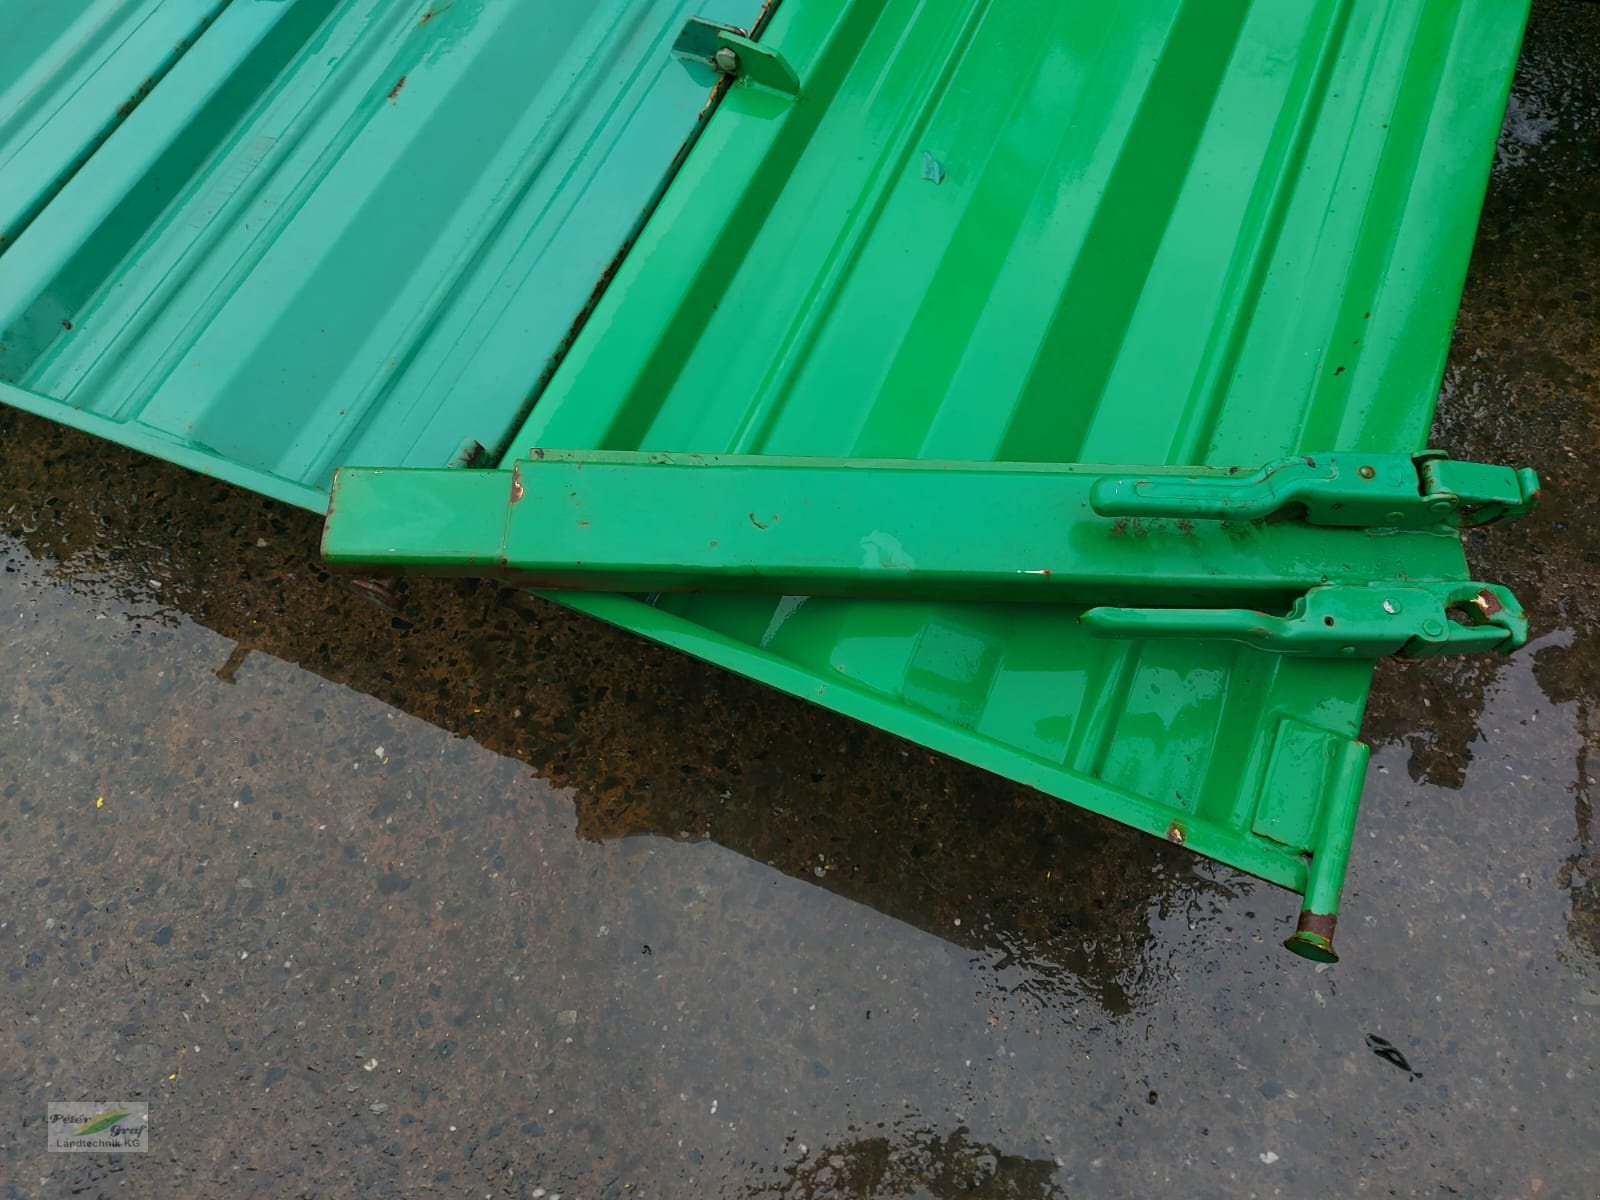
(1021, 533)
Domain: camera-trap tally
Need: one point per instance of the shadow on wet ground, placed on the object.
(483, 897)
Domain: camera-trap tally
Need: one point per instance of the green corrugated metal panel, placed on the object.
(1155, 232)
(336, 230)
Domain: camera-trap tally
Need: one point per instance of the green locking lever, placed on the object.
(1345, 621)
(1397, 491)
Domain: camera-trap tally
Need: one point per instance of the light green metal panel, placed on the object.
(339, 230)
(70, 72)
(1156, 231)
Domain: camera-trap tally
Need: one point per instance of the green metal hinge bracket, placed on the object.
(1330, 556)
(1419, 620)
(727, 50)
(1393, 491)
(756, 63)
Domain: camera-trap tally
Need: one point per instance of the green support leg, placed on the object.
(1319, 912)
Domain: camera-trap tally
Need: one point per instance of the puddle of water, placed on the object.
(482, 897)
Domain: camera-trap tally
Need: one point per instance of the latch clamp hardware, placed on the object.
(1394, 491)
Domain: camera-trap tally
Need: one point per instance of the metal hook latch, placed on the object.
(1419, 620)
(1393, 491)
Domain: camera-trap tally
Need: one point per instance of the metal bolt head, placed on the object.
(727, 61)
(1365, 472)
(1390, 607)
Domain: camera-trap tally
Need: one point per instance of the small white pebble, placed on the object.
(372, 1065)
(1269, 1157)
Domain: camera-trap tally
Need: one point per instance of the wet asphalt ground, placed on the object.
(483, 898)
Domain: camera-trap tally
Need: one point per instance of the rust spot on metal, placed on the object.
(1318, 924)
(537, 452)
(133, 101)
(67, 325)
(398, 85)
(1313, 937)
(755, 522)
(1488, 603)
(517, 490)
(1186, 527)
(1176, 834)
(765, 15)
(432, 13)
